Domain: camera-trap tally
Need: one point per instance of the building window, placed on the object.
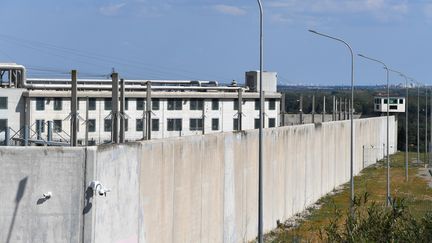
(40, 126)
(174, 124)
(3, 103)
(256, 123)
(257, 105)
(215, 104)
(58, 104)
(195, 124)
(272, 122)
(385, 101)
(235, 124)
(92, 104)
(139, 125)
(107, 125)
(91, 125)
(155, 125)
(272, 104)
(196, 104)
(108, 104)
(126, 123)
(175, 104)
(3, 124)
(40, 104)
(393, 107)
(215, 124)
(57, 125)
(155, 104)
(126, 104)
(401, 101)
(236, 105)
(140, 104)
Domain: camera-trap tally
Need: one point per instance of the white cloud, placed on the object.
(381, 10)
(230, 10)
(111, 9)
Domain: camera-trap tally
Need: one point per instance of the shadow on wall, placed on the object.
(20, 193)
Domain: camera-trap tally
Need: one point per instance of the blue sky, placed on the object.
(218, 40)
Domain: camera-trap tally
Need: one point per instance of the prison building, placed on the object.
(41, 109)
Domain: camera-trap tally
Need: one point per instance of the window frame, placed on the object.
(58, 104)
(174, 124)
(4, 105)
(40, 103)
(215, 124)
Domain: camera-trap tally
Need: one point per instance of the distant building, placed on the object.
(178, 107)
(396, 104)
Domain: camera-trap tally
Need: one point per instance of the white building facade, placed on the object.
(183, 111)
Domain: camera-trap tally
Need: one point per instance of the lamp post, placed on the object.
(351, 114)
(418, 119)
(388, 200)
(426, 125)
(260, 139)
(406, 121)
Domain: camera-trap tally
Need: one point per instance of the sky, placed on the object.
(219, 40)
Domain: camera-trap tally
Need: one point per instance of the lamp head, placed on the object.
(313, 31)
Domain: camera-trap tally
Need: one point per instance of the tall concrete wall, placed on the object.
(204, 188)
(189, 189)
(25, 175)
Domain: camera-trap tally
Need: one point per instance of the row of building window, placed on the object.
(173, 124)
(173, 104)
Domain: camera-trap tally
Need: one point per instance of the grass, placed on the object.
(417, 194)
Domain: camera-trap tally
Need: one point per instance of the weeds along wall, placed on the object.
(188, 189)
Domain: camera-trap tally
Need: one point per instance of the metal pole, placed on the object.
(74, 110)
(340, 109)
(418, 123)
(345, 109)
(115, 108)
(26, 135)
(87, 122)
(50, 131)
(324, 110)
(430, 107)
(122, 111)
(301, 109)
(7, 136)
(282, 109)
(388, 199)
(260, 146)
(334, 109)
(149, 110)
(406, 122)
(240, 110)
(426, 125)
(406, 130)
(352, 120)
(313, 108)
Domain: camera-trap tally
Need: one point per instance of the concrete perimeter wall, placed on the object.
(204, 188)
(188, 189)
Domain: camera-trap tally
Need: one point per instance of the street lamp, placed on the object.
(351, 113)
(388, 201)
(260, 135)
(418, 119)
(406, 122)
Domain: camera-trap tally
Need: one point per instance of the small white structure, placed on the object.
(395, 104)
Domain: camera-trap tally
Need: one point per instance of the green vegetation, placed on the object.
(364, 98)
(410, 216)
